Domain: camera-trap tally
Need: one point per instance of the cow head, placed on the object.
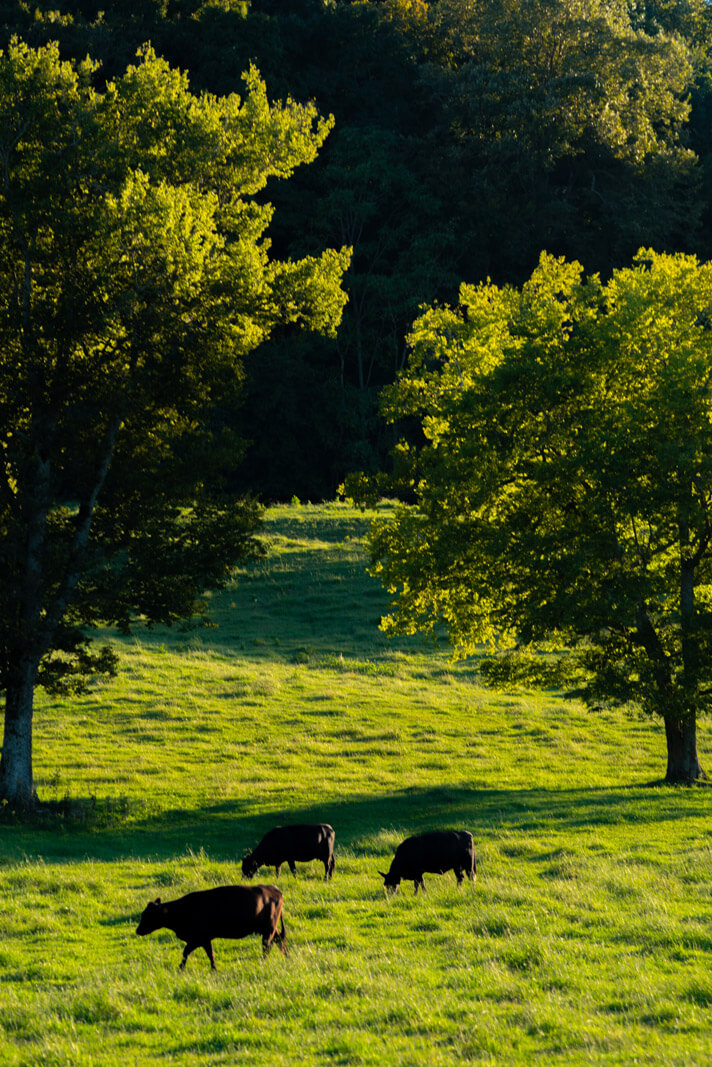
(390, 881)
(249, 866)
(152, 918)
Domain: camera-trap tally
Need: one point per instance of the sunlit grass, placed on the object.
(586, 940)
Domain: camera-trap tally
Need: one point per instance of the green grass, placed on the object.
(586, 940)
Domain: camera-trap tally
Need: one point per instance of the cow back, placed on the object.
(300, 841)
(434, 852)
(226, 911)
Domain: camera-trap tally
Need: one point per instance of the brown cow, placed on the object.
(228, 911)
(436, 852)
(285, 844)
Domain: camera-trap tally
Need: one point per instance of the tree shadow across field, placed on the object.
(292, 607)
(358, 821)
(225, 831)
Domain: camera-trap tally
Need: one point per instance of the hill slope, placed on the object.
(586, 939)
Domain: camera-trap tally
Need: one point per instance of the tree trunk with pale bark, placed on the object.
(17, 785)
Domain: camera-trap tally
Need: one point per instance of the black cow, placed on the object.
(285, 844)
(228, 911)
(435, 852)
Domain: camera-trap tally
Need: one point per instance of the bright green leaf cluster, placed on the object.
(565, 486)
(137, 274)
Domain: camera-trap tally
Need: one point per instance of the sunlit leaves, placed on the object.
(575, 69)
(232, 143)
(564, 487)
(137, 275)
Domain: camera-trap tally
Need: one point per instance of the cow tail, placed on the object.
(282, 935)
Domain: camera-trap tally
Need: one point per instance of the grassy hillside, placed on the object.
(586, 940)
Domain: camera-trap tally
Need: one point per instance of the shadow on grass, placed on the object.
(225, 831)
(298, 608)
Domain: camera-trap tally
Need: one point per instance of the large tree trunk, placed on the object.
(683, 765)
(17, 785)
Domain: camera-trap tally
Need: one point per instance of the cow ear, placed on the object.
(382, 874)
(157, 900)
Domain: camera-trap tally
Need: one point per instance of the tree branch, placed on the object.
(73, 569)
(647, 637)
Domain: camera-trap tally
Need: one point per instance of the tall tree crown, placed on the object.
(138, 274)
(564, 483)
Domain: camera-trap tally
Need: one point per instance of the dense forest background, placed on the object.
(469, 136)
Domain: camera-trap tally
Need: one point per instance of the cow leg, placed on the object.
(328, 868)
(283, 938)
(277, 869)
(279, 937)
(459, 874)
(189, 947)
(208, 946)
(267, 939)
(292, 867)
(419, 882)
(270, 931)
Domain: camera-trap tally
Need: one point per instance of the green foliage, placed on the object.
(367, 175)
(566, 111)
(467, 138)
(479, 134)
(564, 486)
(137, 273)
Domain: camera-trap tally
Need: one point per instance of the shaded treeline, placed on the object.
(469, 136)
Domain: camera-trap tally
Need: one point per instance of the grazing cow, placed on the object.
(228, 911)
(435, 852)
(285, 844)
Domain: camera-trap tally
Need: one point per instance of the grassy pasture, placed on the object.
(586, 940)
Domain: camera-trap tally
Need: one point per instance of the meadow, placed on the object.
(587, 938)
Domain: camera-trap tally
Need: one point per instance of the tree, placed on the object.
(378, 190)
(136, 275)
(468, 137)
(563, 486)
(373, 197)
(568, 127)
